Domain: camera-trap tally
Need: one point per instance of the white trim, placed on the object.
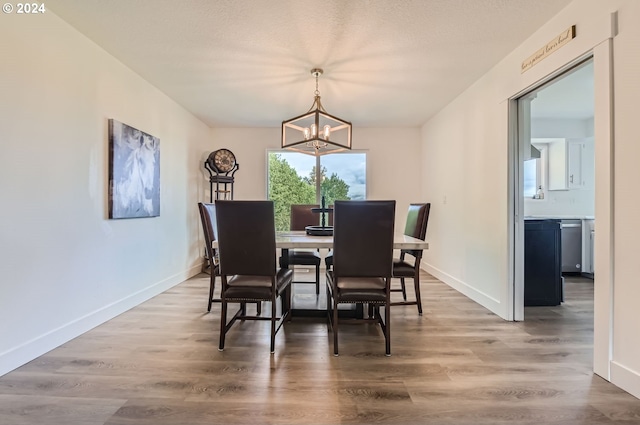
(625, 378)
(604, 281)
(480, 297)
(24, 353)
(515, 288)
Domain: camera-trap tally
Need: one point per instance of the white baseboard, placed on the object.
(625, 378)
(17, 356)
(481, 298)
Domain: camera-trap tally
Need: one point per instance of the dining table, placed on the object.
(306, 302)
(291, 239)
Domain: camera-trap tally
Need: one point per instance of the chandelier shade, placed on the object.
(316, 132)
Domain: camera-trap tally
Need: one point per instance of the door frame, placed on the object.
(602, 55)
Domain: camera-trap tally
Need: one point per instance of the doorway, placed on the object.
(557, 171)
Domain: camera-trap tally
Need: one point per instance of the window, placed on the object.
(530, 177)
(535, 173)
(292, 178)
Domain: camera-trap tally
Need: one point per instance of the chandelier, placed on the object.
(316, 132)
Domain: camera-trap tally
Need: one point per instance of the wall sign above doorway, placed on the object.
(558, 41)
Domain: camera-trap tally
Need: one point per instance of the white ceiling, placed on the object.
(246, 63)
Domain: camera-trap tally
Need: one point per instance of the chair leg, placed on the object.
(289, 300)
(318, 279)
(273, 326)
(212, 286)
(223, 324)
(335, 327)
(404, 289)
(387, 328)
(259, 308)
(329, 311)
(287, 295)
(416, 284)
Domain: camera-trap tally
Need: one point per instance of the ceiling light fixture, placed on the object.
(316, 132)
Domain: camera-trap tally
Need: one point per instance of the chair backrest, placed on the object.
(301, 216)
(208, 219)
(363, 238)
(246, 237)
(417, 219)
(416, 225)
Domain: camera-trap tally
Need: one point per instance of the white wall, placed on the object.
(567, 128)
(393, 162)
(465, 170)
(65, 267)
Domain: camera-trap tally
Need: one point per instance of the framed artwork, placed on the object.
(134, 172)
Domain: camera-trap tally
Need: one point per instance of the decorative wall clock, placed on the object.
(223, 159)
(221, 165)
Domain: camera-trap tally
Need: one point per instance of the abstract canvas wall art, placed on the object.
(134, 172)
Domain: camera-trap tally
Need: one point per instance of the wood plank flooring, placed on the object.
(458, 364)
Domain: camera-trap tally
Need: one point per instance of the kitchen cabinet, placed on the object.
(565, 164)
(542, 263)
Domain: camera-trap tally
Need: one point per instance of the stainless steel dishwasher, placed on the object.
(571, 234)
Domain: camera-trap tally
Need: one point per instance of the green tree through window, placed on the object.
(287, 186)
(332, 188)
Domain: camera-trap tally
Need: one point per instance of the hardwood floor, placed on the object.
(458, 364)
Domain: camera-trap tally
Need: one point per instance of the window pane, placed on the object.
(530, 177)
(289, 183)
(292, 180)
(344, 176)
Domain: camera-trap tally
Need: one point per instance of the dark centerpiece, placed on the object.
(321, 230)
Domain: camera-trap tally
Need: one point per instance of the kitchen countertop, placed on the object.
(559, 217)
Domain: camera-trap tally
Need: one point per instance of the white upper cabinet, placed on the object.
(566, 164)
(575, 154)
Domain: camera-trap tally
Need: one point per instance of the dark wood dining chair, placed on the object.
(247, 252)
(301, 217)
(416, 226)
(208, 219)
(362, 262)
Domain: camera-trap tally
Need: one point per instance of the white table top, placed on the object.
(299, 239)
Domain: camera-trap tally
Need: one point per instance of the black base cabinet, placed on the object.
(542, 263)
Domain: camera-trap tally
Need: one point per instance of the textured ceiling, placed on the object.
(246, 63)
